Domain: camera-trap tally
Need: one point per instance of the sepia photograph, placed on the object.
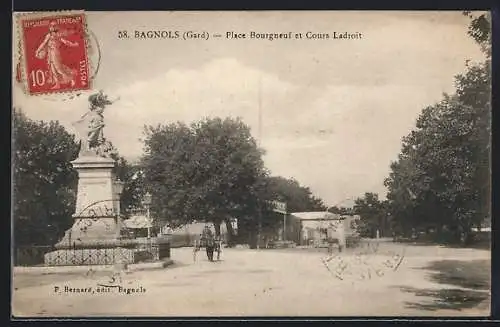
(241, 164)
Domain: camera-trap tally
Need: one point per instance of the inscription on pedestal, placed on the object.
(105, 208)
(90, 193)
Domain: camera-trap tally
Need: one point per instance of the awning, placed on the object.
(483, 229)
(316, 215)
(137, 222)
(321, 215)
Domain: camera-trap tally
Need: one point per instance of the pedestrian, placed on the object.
(341, 236)
(207, 237)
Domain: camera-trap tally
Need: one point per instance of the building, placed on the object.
(138, 226)
(317, 228)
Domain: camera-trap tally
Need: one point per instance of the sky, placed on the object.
(333, 111)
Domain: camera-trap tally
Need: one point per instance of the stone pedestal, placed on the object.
(96, 217)
(97, 222)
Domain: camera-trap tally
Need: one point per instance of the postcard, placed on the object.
(251, 164)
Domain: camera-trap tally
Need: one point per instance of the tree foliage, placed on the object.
(44, 180)
(480, 30)
(211, 170)
(442, 176)
(373, 215)
(298, 198)
(133, 188)
(45, 183)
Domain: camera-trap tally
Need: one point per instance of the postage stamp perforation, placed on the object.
(19, 16)
(20, 65)
(21, 69)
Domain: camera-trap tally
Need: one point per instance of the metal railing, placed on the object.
(145, 249)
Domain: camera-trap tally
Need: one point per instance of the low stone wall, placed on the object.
(181, 240)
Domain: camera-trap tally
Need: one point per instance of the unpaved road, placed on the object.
(244, 283)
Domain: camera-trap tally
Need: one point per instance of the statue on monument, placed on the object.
(90, 127)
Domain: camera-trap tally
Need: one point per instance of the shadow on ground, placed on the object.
(453, 299)
(473, 274)
(177, 264)
(474, 246)
(225, 271)
(480, 241)
(470, 279)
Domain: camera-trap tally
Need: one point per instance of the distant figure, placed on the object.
(167, 230)
(342, 239)
(207, 239)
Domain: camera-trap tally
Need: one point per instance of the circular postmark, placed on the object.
(92, 214)
(368, 261)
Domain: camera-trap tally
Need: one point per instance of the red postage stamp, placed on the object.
(54, 52)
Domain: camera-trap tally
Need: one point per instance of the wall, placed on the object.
(186, 235)
(301, 231)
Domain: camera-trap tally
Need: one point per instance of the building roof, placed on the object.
(316, 215)
(137, 222)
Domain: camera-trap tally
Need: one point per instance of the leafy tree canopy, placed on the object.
(210, 171)
(442, 175)
(44, 180)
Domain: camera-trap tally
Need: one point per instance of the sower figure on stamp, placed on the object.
(58, 73)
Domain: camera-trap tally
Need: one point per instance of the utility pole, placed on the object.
(259, 144)
(259, 96)
(260, 112)
(284, 227)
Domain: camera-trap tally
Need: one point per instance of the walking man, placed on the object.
(207, 238)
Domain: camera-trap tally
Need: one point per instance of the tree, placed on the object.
(45, 183)
(208, 171)
(444, 167)
(44, 180)
(441, 178)
(133, 188)
(373, 215)
(480, 30)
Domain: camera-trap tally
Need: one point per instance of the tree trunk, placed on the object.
(252, 239)
(439, 237)
(217, 229)
(230, 233)
(467, 238)
(467, 235)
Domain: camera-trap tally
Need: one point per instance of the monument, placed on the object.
(96, 235)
